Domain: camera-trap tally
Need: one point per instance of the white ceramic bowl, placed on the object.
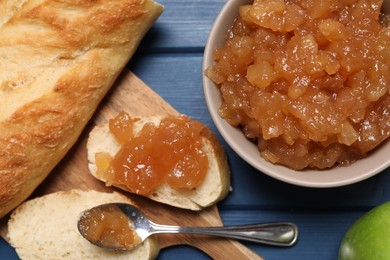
(338, 176)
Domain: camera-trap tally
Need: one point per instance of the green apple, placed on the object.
(369, 237)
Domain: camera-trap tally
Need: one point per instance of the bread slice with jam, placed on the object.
(162, 158)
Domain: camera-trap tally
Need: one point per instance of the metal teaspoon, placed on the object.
(277, 234)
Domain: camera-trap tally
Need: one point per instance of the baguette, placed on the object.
(214, 187)
(59, 59)
(46, 228)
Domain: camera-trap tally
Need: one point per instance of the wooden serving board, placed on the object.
(134, 96)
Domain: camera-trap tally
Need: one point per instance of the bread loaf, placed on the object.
(58, 59)
(214, 187)
(46, 228)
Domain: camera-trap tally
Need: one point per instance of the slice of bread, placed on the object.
(214, 187)
(46, 228)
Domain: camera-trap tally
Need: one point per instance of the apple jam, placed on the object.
(108, 226)
(171, 153)
(307, 80)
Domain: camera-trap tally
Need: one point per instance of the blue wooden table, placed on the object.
(169, 60)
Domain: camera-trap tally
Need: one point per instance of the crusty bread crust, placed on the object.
(59, 58)
(46, 228)
(214, 188)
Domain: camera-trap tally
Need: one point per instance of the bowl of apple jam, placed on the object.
(300, 88)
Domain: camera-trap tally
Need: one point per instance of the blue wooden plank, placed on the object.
(7, 252)
(183, 26)
(320, 232)
(177, 78)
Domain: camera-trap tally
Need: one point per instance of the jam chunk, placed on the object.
(170, 152)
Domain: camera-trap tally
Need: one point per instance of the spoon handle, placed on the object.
(277, 234)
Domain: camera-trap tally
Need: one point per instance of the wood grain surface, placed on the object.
(134, 96)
